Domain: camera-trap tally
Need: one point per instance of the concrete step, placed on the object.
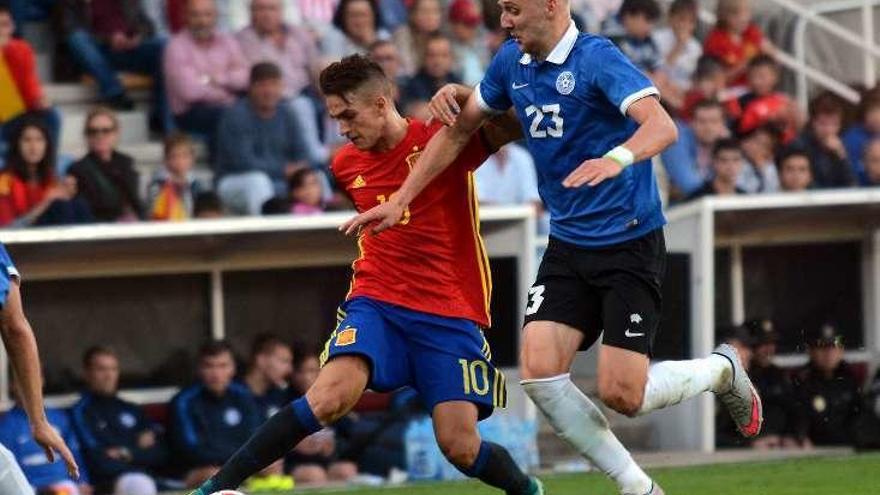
(86, 93)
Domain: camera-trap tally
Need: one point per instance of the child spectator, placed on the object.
(679, 49)
(425, 20)
(872, 162)
(727, 164)
(631, 32)
(735, 40)
(760, 174)
(306, 192)
(434, 73)
(763, 104)
(23, 96)
(211, 419)
(269, 373)
(207, 206)
(30, 191)
(119, 442)
(173, 189)
(795, 172)
(821, 139)
(470, 50)
(857, 137)
(48, 477)
(710, 84)
(106, 178)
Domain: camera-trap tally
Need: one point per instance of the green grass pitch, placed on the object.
(850, 475)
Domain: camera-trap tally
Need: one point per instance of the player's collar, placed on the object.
(560, 52)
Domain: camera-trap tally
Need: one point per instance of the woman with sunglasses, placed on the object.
(30, 191)
(107, 178)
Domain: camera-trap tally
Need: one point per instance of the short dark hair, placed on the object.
(266, 343)
(684, 6)
(205, 202)
(763, 60)
(265, 71)
(299, 177)
(214, 348)
(5, 9)
(707, 66)
(178, 140)
(707, 103)
(790, 152)
(350, 74)
(305, 351)
(727, 144)
(650, 8)
(96, 350)
(827, 103)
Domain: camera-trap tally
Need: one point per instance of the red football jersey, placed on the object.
(433, 261)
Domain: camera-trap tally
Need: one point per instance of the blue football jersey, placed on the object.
(8, 273)
(572, 107)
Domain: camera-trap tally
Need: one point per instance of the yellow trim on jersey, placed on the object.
(361, 256)
(482, 258)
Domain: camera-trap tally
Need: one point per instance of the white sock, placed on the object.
(672, 382)
(579, 422)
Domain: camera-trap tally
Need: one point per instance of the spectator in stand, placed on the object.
(208, 206)
(269, 373)
(435, 72)
(774, 385)
(386, 54)
(23, 97)
(821, 139)
(356, 26)
(631, 32)
(306, 192)
(508, 178)
(106, 178)
(828, 395)
(678, 47)
(173, 189)
(857, 137)
(425, 21)
(260, 144)
(30, 191)
(467, 44)
(47, 477)
(269, 39)
(727, 165)
(211, 419)
(710, 84)
(105, 36)
(120, 444)
(760, 174)
(735, 40)
(795, 170)
(688, 161)
(872, 162)
(315, 460)
(30, 10)
(764, 104)
(205, 71)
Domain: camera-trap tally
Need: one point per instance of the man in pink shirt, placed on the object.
(205, 72)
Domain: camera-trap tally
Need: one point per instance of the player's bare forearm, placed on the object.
(656, 132)
(501, 130)
(23, 355)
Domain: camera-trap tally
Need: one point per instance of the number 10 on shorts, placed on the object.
(475, 376)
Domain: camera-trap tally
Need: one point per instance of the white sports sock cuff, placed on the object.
(566, 376)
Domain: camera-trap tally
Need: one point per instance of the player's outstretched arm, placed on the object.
(499, 130)
(441, 151)
(21, 345)
(655, 133)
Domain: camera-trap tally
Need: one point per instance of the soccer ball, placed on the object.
(227, 492)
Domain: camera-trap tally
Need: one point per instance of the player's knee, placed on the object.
(459, 446)
(621, 396)
(310, 474)
(533, 367)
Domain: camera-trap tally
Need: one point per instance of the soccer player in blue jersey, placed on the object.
(592, 121)
(18, 337)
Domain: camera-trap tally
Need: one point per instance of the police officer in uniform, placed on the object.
(828, 395)
(774, 385)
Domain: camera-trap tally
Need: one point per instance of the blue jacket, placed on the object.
(206, 429)
(680, 161)
(15, 435)
(105, 422)
(855, 140)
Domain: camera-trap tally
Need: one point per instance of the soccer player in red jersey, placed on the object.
(419, 295)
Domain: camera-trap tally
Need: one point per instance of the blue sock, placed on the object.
(495, 467)
(269, 443)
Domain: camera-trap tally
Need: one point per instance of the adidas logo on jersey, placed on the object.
(359, 182)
